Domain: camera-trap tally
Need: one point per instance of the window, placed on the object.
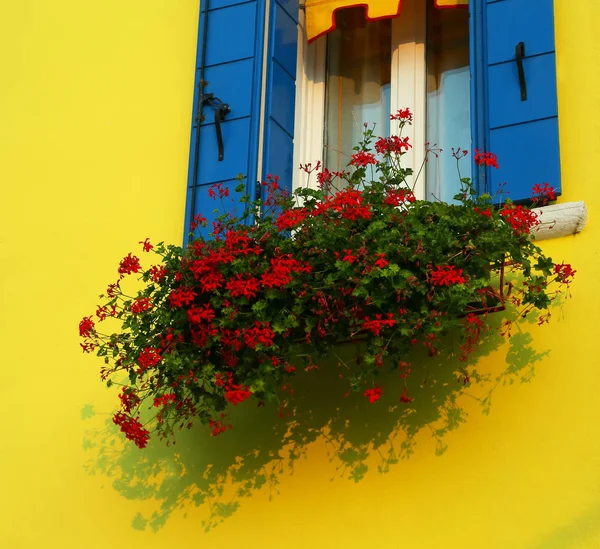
(357, 83)
(282, 101)
(363, 70)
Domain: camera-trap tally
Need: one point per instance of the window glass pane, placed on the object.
(359, 62)
(448, 99)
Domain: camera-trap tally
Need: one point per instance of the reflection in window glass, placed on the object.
(448, 99)
(358, 83)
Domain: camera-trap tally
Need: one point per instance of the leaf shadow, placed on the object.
(219, 473)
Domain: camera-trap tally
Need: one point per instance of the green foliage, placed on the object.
(348, 257)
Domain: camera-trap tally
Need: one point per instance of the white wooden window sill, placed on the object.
(558, 220)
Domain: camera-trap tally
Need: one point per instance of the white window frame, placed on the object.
(408, 89)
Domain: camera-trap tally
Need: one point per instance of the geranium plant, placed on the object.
(231, 317)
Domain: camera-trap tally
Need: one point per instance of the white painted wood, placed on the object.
(309, 118)
(409, 85)
(263, 93)
(560, 220)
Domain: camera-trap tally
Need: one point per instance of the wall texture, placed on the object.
(95, 104)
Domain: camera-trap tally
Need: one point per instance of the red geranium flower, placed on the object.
(486, 159)
(373, 394)
(86, 326)
(447, 276)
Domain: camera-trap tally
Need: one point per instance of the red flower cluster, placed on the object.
(197, 315)
(129, 399)
(486, 159)
(487, 212)
(404, 396)
(349, 203)
(231, 338)
(381, 262)
(157, 273)
(362, 158)
(218, 189)
(164, 400)
(564, 273)
(86, 326)
(132, 428)
(324, 178)
(542, 194)
(259, 334)
(129, 264)
(146, 246)
(182, 296)
(113, 289)
(395, 197)
(373, 394)
(377, 324)
(217, 426)
(140, 305)
(392, 145)
(148, 358)
(198, 220)
(235, 394)
(281, 271)
(519, 218)
(402, 114)
(447, 275)
(242, 286)
(291, 218)
(473, 325)
(237, 243)
(348, 256)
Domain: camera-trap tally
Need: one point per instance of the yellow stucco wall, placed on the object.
(95, 102)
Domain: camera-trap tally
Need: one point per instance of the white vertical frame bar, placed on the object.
(409, 81)
(263, 93)
(309, 119)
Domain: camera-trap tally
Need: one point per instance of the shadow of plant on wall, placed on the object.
(218, 473)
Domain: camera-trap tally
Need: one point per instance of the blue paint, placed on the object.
(233, 72)
(513, 21)
(280, 94)
(478, 61)
(524, 134)
(448, 115)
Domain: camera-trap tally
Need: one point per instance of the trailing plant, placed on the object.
(231, 317)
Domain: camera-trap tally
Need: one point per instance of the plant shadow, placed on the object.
(219, 473)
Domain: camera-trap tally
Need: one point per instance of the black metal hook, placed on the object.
(520, 54)
(221, 110)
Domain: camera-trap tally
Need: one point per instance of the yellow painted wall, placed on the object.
(95, 101)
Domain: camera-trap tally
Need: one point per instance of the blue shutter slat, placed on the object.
(524, 134)
(281, 92)
(231, 33)
(279, 157)
(506, 107)
(530, 153)
(233, 71)
(216, 4)
(239, 97)
(235, 140)
(512, 20)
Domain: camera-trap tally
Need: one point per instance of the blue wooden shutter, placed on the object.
(524, 134)
(281, 91)
(233, 73)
